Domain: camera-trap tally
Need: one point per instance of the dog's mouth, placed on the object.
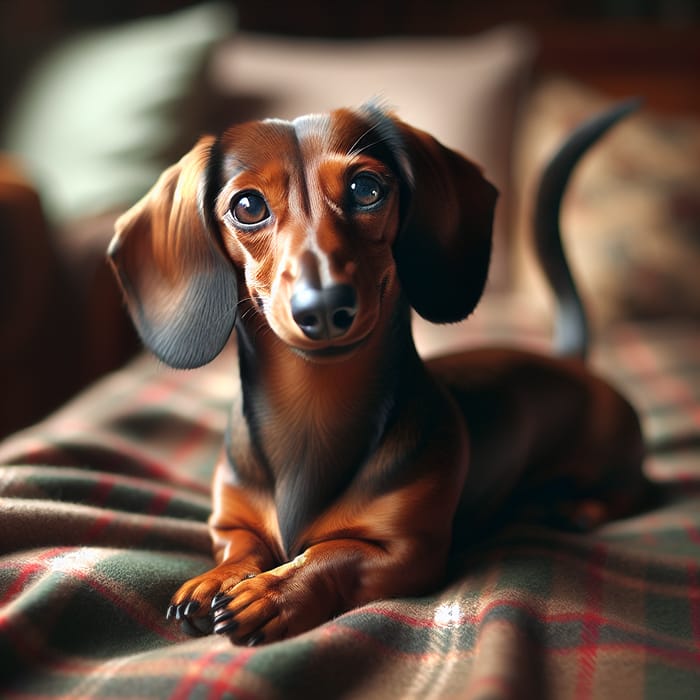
(330, 353)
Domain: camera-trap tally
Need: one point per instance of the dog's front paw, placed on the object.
(192, 603)
(279, 603)
(252, 612)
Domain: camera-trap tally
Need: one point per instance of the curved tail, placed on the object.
(571, 334)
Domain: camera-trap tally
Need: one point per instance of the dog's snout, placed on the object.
(325, 313)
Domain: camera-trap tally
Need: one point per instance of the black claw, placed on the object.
(191, 607)
(220, 600)
(256, 639)
(225, 629)
(170, 612)
(221, 615)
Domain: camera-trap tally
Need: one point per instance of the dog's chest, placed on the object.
(312, 428)
(312, 456)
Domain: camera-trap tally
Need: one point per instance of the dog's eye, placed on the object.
(366, 190)
(249, 208)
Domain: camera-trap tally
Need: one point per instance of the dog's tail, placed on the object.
(571, 333)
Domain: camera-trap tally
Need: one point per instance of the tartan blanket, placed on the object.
(102, 516)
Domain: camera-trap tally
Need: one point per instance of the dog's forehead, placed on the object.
(246, 145)
(339, 132)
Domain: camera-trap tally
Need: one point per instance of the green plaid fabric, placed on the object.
(102, 516)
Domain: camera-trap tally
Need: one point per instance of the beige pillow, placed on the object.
(631, 216)
(465, 91)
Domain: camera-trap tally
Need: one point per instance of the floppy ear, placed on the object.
(180, 288)
(443, 249)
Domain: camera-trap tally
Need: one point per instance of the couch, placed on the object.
(104, 501)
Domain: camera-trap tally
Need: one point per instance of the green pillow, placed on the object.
(99, 117)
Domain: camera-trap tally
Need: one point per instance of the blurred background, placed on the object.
(97, 98)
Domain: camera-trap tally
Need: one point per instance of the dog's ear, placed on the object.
(180, 288)
(443, 248)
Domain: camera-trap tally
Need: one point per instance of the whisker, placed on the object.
(351, 151)
(247, 313)
(369, 145)
(260, 330)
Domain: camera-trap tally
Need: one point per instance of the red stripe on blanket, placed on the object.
(98, 526)
(678, 658)
(593, 621)
(29, 570)
(694, 600)
(590, 634)
(160, 502)
(199, 674)
(190, 443)
(223, 682)
(149, 468)
(101, 490)
(45, 562)
(135, 612)
(692, 531)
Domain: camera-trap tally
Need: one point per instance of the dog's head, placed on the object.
(317, 224)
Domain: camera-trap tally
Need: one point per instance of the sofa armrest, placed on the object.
(62, 322)
(27, 260)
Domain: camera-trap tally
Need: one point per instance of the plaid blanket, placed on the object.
(102, 516)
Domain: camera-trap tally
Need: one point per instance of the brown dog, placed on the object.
(349, 460)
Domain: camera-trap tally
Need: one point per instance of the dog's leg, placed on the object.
(390, 554)
(373, 543)
(243, 532)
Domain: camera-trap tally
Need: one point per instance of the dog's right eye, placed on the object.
(249, 208)
(366, 190)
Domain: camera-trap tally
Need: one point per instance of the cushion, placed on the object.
(631, 217)
(102, 113)
(465, 91)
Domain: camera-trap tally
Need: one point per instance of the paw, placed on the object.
(252, 612)
(192, 603)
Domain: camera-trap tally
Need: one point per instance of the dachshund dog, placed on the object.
(351, 467)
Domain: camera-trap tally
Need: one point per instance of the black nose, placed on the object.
(324, 314)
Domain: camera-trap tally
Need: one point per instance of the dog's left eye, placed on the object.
(366, 190)
(249, 208)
